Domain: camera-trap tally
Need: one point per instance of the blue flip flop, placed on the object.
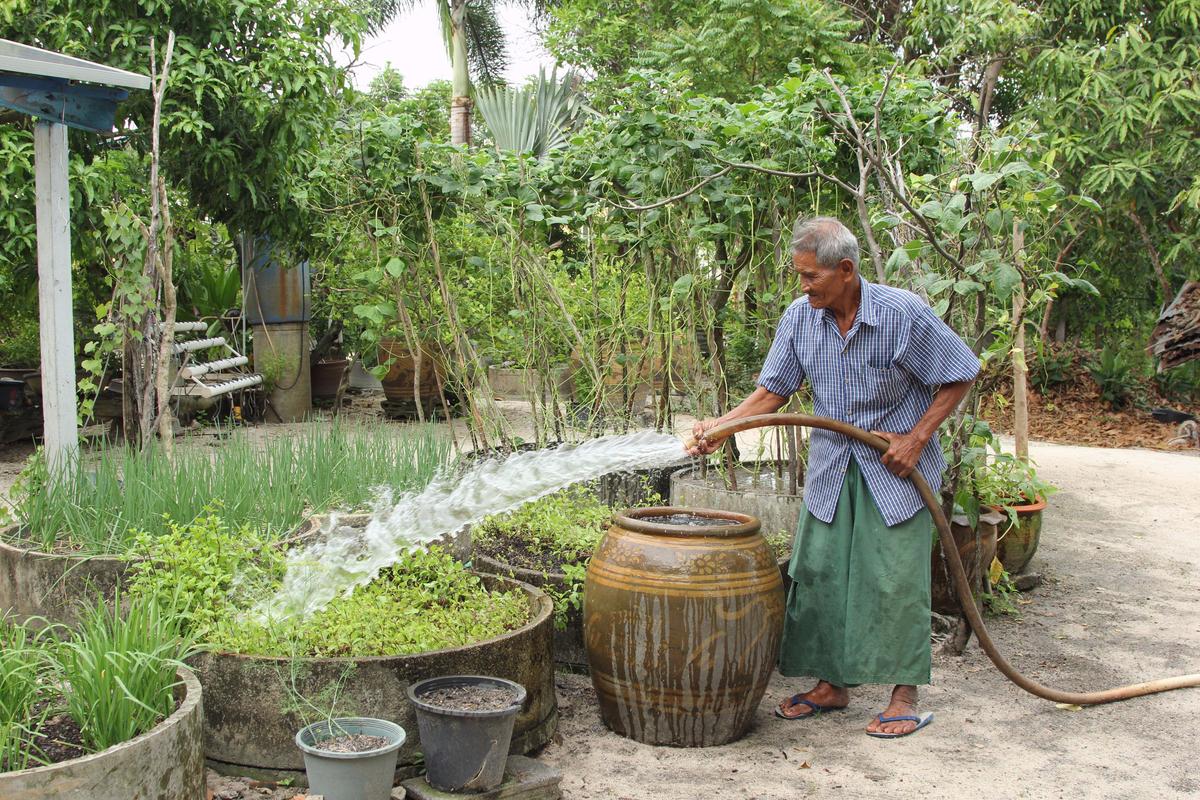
(921, 721)
(817, 709)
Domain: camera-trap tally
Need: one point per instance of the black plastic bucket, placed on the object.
(465, 751)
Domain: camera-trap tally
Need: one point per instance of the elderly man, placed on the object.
(878, 358)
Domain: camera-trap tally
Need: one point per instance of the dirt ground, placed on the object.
(1121, 555)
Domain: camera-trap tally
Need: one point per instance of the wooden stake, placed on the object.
(1020, 368)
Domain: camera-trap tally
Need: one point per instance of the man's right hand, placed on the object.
(703, 447)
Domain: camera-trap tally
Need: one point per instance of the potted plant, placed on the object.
(351, 758)
(466, 724)
(1012, 486)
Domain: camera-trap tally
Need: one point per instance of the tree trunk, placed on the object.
(460, 105)
(1163, 284)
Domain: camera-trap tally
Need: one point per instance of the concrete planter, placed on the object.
(49, 585)
(778, 511)
(569, 650)
(166, 763)
(250, 716)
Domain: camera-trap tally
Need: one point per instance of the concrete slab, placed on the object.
(524, 779)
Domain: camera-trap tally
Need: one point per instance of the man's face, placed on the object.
(822, 285)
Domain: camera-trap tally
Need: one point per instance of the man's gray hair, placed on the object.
(828, 238)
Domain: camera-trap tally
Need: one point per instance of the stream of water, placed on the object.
(343, 558)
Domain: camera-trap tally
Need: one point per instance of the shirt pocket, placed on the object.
(879, 392)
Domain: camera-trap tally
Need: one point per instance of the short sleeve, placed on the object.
(934, 353)
(781, 373)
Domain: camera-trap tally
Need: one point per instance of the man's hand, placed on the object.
(703, 447)
(901, 457)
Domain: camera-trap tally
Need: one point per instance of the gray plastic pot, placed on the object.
(351, 776)
(465, 751)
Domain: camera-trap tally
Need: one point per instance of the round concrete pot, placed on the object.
(250, 705)
(36, 585)
(166, 763)
(569, 650)
(778, 511)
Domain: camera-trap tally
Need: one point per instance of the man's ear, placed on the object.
(845, 268)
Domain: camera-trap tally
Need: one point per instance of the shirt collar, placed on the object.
(868, 311)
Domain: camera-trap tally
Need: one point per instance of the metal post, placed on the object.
(59, 405)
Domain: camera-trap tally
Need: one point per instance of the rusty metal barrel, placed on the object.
(682, 624)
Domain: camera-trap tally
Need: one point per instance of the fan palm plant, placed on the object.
(475, 42)
(535, 119)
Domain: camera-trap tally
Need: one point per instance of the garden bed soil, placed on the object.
(60, 739)
(470, 698)
(352, 743)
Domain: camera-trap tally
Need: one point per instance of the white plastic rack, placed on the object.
(208, 379)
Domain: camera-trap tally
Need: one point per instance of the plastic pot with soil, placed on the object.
(351, 758)
(466, 724)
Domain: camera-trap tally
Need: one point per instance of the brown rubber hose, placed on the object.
(950, 548)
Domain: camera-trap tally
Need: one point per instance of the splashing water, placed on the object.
(345, 558)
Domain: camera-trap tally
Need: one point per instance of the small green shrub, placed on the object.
(19, 341)
(1180, 384)
(1003, 597)
(1050, 368)
(1114, 375)
(204, 569)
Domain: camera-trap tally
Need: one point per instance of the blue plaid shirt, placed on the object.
(880, 376)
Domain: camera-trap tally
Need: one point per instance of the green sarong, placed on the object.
(858, 609)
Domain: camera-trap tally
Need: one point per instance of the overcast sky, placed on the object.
(413, 45)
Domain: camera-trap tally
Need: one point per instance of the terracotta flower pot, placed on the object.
(327, 377)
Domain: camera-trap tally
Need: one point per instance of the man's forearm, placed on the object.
(944, 402)
(760, 401)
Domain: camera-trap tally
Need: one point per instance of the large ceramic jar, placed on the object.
(682, 624)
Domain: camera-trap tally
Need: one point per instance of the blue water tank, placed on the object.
(273, 292)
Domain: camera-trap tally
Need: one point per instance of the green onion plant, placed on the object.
(268, 486)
